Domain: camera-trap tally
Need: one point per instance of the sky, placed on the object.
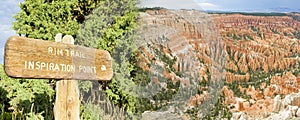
(8, 8)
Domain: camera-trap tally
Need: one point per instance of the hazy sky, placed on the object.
(9, 7)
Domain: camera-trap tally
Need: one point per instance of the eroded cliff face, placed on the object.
(263, 56)
(249, 59)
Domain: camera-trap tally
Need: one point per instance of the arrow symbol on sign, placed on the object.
(103, 68)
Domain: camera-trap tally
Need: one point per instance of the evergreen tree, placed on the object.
(43, 19)
(107, 24)
(111, 27)
(103, 24)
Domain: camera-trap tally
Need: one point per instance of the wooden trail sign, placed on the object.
(33, 58)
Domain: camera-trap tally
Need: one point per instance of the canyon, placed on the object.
(247, 59)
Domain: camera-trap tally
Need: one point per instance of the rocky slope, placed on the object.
(263, 56)
(248, 59)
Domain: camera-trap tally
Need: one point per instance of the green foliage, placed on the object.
(234, 87)
(219, 110)
(107, 28)
(295, 16)
(107, 24)
(161, 99)
(24, 98)
(169, 61)
(275, 31)
(155, 97)
(216, 111)
(85, 86)
(43, 19)
(297, 71)
(297, 34)
(240, 37)
(84, 8)
(121, 90)
(153, 9)
(98, 107)
(259, 34)
(110, 27)
(253, 28)
(246, 37)
(4, 115)
(236, 37)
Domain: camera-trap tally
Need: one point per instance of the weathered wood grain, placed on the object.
(33, 58)
(67, 103)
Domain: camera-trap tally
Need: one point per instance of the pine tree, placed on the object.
(102, 24)
(111, 27)
(43, 19)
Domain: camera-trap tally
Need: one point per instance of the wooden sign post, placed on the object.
(67, 103)
(61, 60)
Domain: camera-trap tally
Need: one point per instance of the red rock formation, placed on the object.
(254, 45)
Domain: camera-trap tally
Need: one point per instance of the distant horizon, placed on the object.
(233, 11)
(250, 11)
(227, 5)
